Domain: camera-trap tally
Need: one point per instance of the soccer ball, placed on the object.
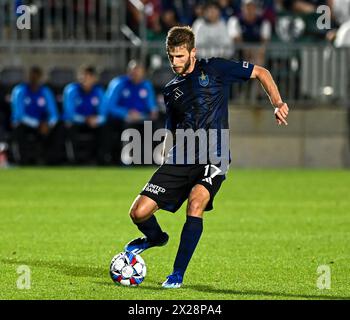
(127, 269)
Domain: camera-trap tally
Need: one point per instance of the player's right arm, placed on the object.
(271, 89)
(234, 71)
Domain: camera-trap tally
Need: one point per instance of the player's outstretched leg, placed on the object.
(142, 214)
(190, 235)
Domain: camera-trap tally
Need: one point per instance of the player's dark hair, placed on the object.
(180, 36)
(88, 69)
(36, 70)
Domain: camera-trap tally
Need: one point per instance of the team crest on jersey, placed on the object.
(143, 93)
(203, 80)
(41, 102)
(95, 101)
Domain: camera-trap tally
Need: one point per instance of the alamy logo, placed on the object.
(178, 93)
(24, 278)
(324, 277)
(176, 147)
(24, 20)
(324, 20)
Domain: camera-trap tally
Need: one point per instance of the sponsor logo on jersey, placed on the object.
(245, 64)
(153, 188)
(178, 93)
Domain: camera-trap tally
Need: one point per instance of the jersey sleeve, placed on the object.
(232, 71)
(17, 104)
(51, 107)
(112, 97)
(69, 94)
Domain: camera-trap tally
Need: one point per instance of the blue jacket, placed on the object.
(78, 104)
(31, 108)
(123, 95)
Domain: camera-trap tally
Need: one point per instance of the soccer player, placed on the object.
(83, 115)
(35, 121)
(197, 98)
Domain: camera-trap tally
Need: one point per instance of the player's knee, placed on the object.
(196, 207)
(137, 213)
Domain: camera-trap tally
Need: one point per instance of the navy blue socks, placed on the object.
(190, 235)
(151, 229)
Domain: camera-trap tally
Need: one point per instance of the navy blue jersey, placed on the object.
(199, 101)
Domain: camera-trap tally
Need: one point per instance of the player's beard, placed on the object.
(184, 68)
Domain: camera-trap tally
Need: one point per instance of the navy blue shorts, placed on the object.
(171, 185)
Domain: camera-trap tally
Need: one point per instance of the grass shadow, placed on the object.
(80, 271)
(143, 286)
(209, 289)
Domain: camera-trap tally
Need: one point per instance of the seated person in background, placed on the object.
(36, 135)
(250, 27)
(267, 8)
(82, 105)
(129, 100)
(211, 33)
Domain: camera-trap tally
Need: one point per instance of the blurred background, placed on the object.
(74, 74)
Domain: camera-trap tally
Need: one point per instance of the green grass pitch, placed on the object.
(268, 233)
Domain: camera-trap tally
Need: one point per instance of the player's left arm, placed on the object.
(51, 107)
(270, 87)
